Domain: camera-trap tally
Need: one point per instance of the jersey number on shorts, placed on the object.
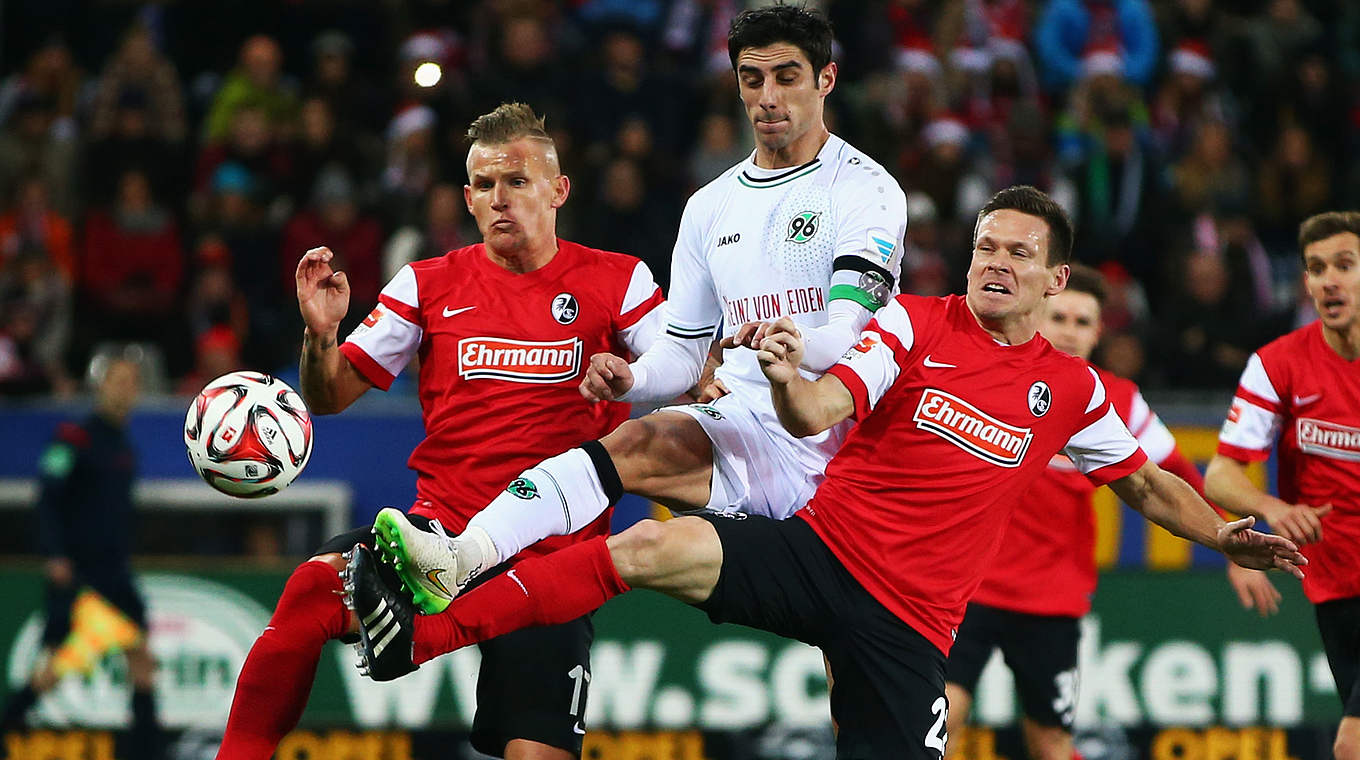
(937, 736)
(581, 676)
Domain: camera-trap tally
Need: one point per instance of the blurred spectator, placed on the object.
(1020, 153)
(524, 70)
(431, 72)
(35, 326)
(925, 270)
(943, 166)
(214, 299)
(357, 104)
(217, 351)
(1119, 198)
(1316, 99)
(442, 231)
(1276, 37)
(322, 143)
(411, 164)
(1293, 184)
(138, 70)
(1187, 99)
(1068, 31)
(131, 143)
(720, 147)
(333, 219)
(254, 144)
(34, 143)
(51, 76)
(1210, 173)
(627, 218)
(1208, 330)
(625, 86)
(31, 224)
(236, 219)
(257, 81)
(132, 268)
(640, 14)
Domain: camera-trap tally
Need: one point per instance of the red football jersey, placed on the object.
(1046, 564)
(501, 355)
(1300, 395)
(953, 428)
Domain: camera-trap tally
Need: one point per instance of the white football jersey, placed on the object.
(758, 244)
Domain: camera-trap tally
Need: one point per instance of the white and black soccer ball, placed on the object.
(248, 434)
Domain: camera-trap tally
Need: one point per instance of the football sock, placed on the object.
(558, 496)
(548, 590)
(146, 731)
(278, 673)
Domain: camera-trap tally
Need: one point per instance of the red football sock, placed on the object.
(278, 673)
(548, 590)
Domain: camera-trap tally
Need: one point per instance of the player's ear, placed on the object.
(826, 79)
(1058, 282)
(561, 189)
(467, 197)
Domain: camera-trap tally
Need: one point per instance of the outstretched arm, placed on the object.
(1170, 502)
(329, 382)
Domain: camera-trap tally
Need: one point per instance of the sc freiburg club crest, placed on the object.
(565, 308)
(1040, 398)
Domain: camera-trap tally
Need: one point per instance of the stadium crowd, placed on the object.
(163, 167)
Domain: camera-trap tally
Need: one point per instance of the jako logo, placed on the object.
(519, 361)
(725, 239)
(973, 430)
(1328, 439)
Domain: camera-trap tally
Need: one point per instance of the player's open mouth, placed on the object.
(993, 287)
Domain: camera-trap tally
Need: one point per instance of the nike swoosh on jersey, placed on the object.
(1306, 400)
(451, 312)
(932, 363)
(511, 575)
(579, 729)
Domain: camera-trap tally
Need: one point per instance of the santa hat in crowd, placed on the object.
(945, 129)
(1102, 60)
(918, 55)
(1193, 57)
(410, 120)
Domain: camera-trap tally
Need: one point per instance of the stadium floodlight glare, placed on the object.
(428, 74)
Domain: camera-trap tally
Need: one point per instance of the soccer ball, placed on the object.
(248, 434)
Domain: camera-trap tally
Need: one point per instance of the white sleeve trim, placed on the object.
(641, 286)
(1102, 443)
(642, 334)
(1097, 394)
(1151, 432)
(388, 339)
(1250, 427)
(874, 362)
(402, 287)
(1257, 380)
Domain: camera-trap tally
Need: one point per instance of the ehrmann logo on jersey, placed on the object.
(1328, 439)
(522, 488)
(972, 429)
(804, 226)
(519, 361)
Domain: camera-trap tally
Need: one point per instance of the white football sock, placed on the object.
(559, 496)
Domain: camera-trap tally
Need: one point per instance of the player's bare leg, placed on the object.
(1347, 745)
(664, 456)
(1046, 742)
(956, 722)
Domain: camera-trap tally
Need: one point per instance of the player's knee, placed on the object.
(636, 550)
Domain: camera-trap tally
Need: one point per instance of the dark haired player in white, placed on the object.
(1300, 395)
(501, 329)
(960, 406)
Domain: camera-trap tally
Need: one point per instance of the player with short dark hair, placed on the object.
(1300, 395)
(1030, 603)
(501, 328)
(960, 406)
(806, 227)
